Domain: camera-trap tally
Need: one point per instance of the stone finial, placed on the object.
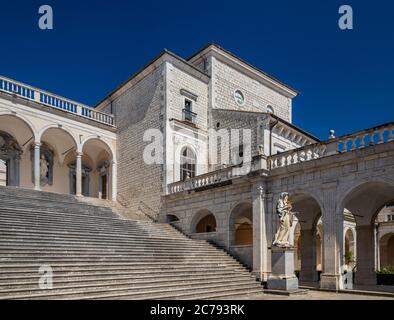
(332, 134)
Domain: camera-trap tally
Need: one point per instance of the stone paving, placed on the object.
(314, 295)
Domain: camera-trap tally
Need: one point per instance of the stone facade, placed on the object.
(174, 108)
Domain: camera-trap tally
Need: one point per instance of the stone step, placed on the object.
(126, 290)
(24, 249)
(59, 235)
(95, 254)
(28, 219)
(230, 294)
(110, 267)
(59, 277)
(66, 220)
(103, 242)
(103, 230)
(23, 202)
(59, 287)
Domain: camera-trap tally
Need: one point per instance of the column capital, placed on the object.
(79, 154)
(37, 144)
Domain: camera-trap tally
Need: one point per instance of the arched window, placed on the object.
(270, 109)
(188, 164)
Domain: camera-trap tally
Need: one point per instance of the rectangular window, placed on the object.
(390, 217)
(188, 114)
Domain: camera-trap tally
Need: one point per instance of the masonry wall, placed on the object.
(257, 96)
(227, 120)
(219, 201)
(179, 80)
(137, 110)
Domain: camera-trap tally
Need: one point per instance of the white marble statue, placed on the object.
(283, 209)
(43, 167)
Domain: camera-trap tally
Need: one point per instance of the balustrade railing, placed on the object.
(203, 180)
(343, 144)
(350, 142)
(54, 101)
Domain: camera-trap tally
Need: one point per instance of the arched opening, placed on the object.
(386, 251)
(170, 218)
(307, 238)
(297, 248)
(187, 164)
(206, 224)
(57, 145)
(100, 174)
(241, 232)
(349, 249)
(203, 221)
(365, 202)
(241, 225)
(15, 135)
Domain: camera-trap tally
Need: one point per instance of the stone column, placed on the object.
(17, 170)
(78, 175)
(332, 241)
(37, 177)
(114, 179)
(308, 271)
(365, 273)
(260, 243)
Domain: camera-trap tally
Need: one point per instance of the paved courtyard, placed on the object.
(315, 295)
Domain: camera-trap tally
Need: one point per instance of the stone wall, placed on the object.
(137, 110)
(219, 201)
(229, 119)
(226, 80)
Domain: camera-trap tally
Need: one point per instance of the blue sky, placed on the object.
(345, 77)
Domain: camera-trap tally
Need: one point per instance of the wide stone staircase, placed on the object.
(93, 253)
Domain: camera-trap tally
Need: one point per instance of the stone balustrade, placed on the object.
(54, 101)
(343, 144)
(203, 180)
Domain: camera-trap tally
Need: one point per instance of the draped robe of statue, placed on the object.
(43, 167)
(283, 209)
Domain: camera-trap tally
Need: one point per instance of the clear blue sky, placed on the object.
(346, 78)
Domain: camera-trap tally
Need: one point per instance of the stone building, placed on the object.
(208, 144)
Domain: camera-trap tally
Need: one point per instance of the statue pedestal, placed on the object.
(282, 279)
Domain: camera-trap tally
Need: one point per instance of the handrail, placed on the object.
(54, 101)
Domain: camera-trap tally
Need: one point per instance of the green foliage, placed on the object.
(349, 258)
(386, 270)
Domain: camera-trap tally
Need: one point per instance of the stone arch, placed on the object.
(203, 221)
(365, 196)
(102, 173)
(24, 119)
(63, 128)
(17, 132)
(106, 146)
(241, 224)
(365, 200)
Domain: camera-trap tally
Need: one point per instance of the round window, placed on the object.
(239, 97)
